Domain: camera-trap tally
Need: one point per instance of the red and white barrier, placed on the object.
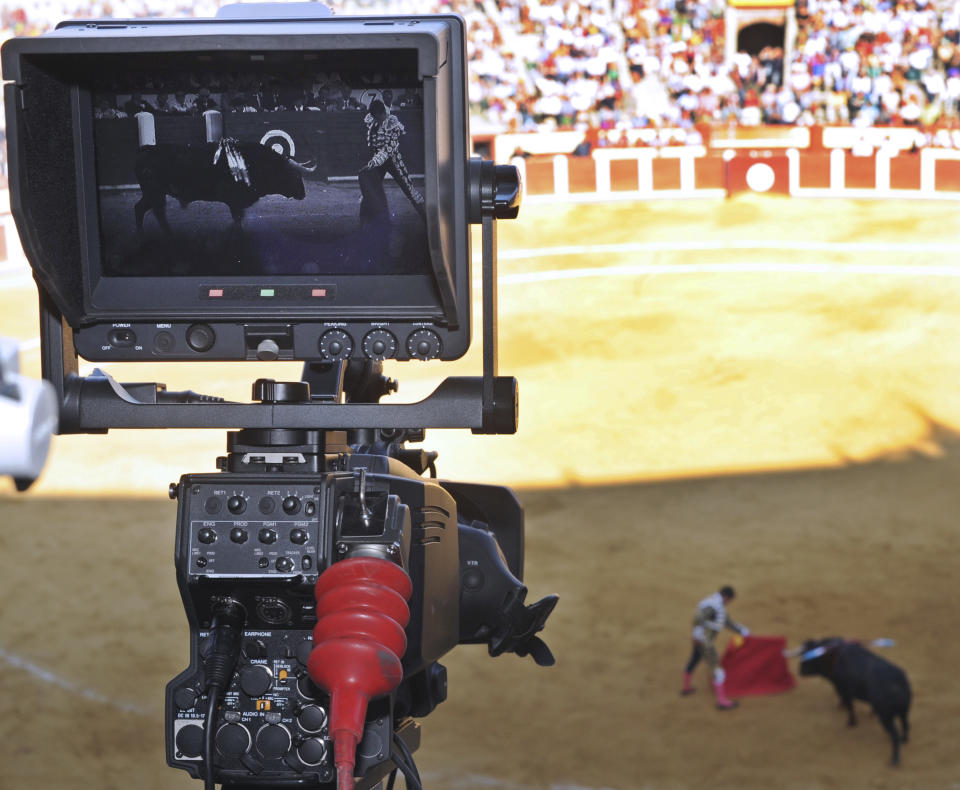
(677, 172)
(619, 174)
(692, 172)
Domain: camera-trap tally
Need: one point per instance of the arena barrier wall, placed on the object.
(678, 172)
(693, 172)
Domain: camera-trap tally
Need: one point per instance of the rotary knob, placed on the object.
(271, 391)
(335, 344)
(267, 535)
(423, 344)
(379, 344)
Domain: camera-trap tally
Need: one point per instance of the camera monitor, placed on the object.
(243, 189)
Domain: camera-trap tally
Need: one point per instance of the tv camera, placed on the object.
(324, 569)
(28, 418)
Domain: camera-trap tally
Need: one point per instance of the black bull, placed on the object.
(189, 173)
(856, 673)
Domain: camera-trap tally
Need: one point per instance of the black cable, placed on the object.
(226, 631)
(208, 783)
(392, 779)
(409, 774)
(406, 764)
(407, 754)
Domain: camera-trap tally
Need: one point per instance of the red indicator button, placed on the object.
(319, 292)
(216, 292)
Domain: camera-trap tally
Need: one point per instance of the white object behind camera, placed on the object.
(28, 418)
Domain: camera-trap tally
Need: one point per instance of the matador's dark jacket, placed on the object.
(383, 140)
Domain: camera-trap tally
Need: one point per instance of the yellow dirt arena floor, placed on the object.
(760, 391)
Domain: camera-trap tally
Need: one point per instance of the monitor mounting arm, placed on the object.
(485, 404)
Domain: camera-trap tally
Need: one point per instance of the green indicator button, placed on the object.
(266, 292)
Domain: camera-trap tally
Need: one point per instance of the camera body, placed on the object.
(260, 535)
(325, 202)
(263, 540)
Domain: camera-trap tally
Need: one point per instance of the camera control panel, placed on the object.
(260, 542)
(199, 340)
(273, 722)
(259, 530)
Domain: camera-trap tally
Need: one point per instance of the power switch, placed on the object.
(122, 337)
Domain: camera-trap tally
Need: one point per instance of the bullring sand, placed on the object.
(758, 391)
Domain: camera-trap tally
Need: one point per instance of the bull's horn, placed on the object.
(881, 642)
(792, 653)
(303, 168)
(814, 653)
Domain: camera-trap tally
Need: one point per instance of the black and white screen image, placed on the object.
(288, 164)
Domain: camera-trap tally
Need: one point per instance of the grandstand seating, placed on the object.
(628, 73)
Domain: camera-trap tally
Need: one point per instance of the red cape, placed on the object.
(756, 666)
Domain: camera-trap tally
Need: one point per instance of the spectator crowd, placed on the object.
(195, 93)
(612, 66)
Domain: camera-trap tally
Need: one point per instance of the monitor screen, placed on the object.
(248, 174)
(276, 164)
